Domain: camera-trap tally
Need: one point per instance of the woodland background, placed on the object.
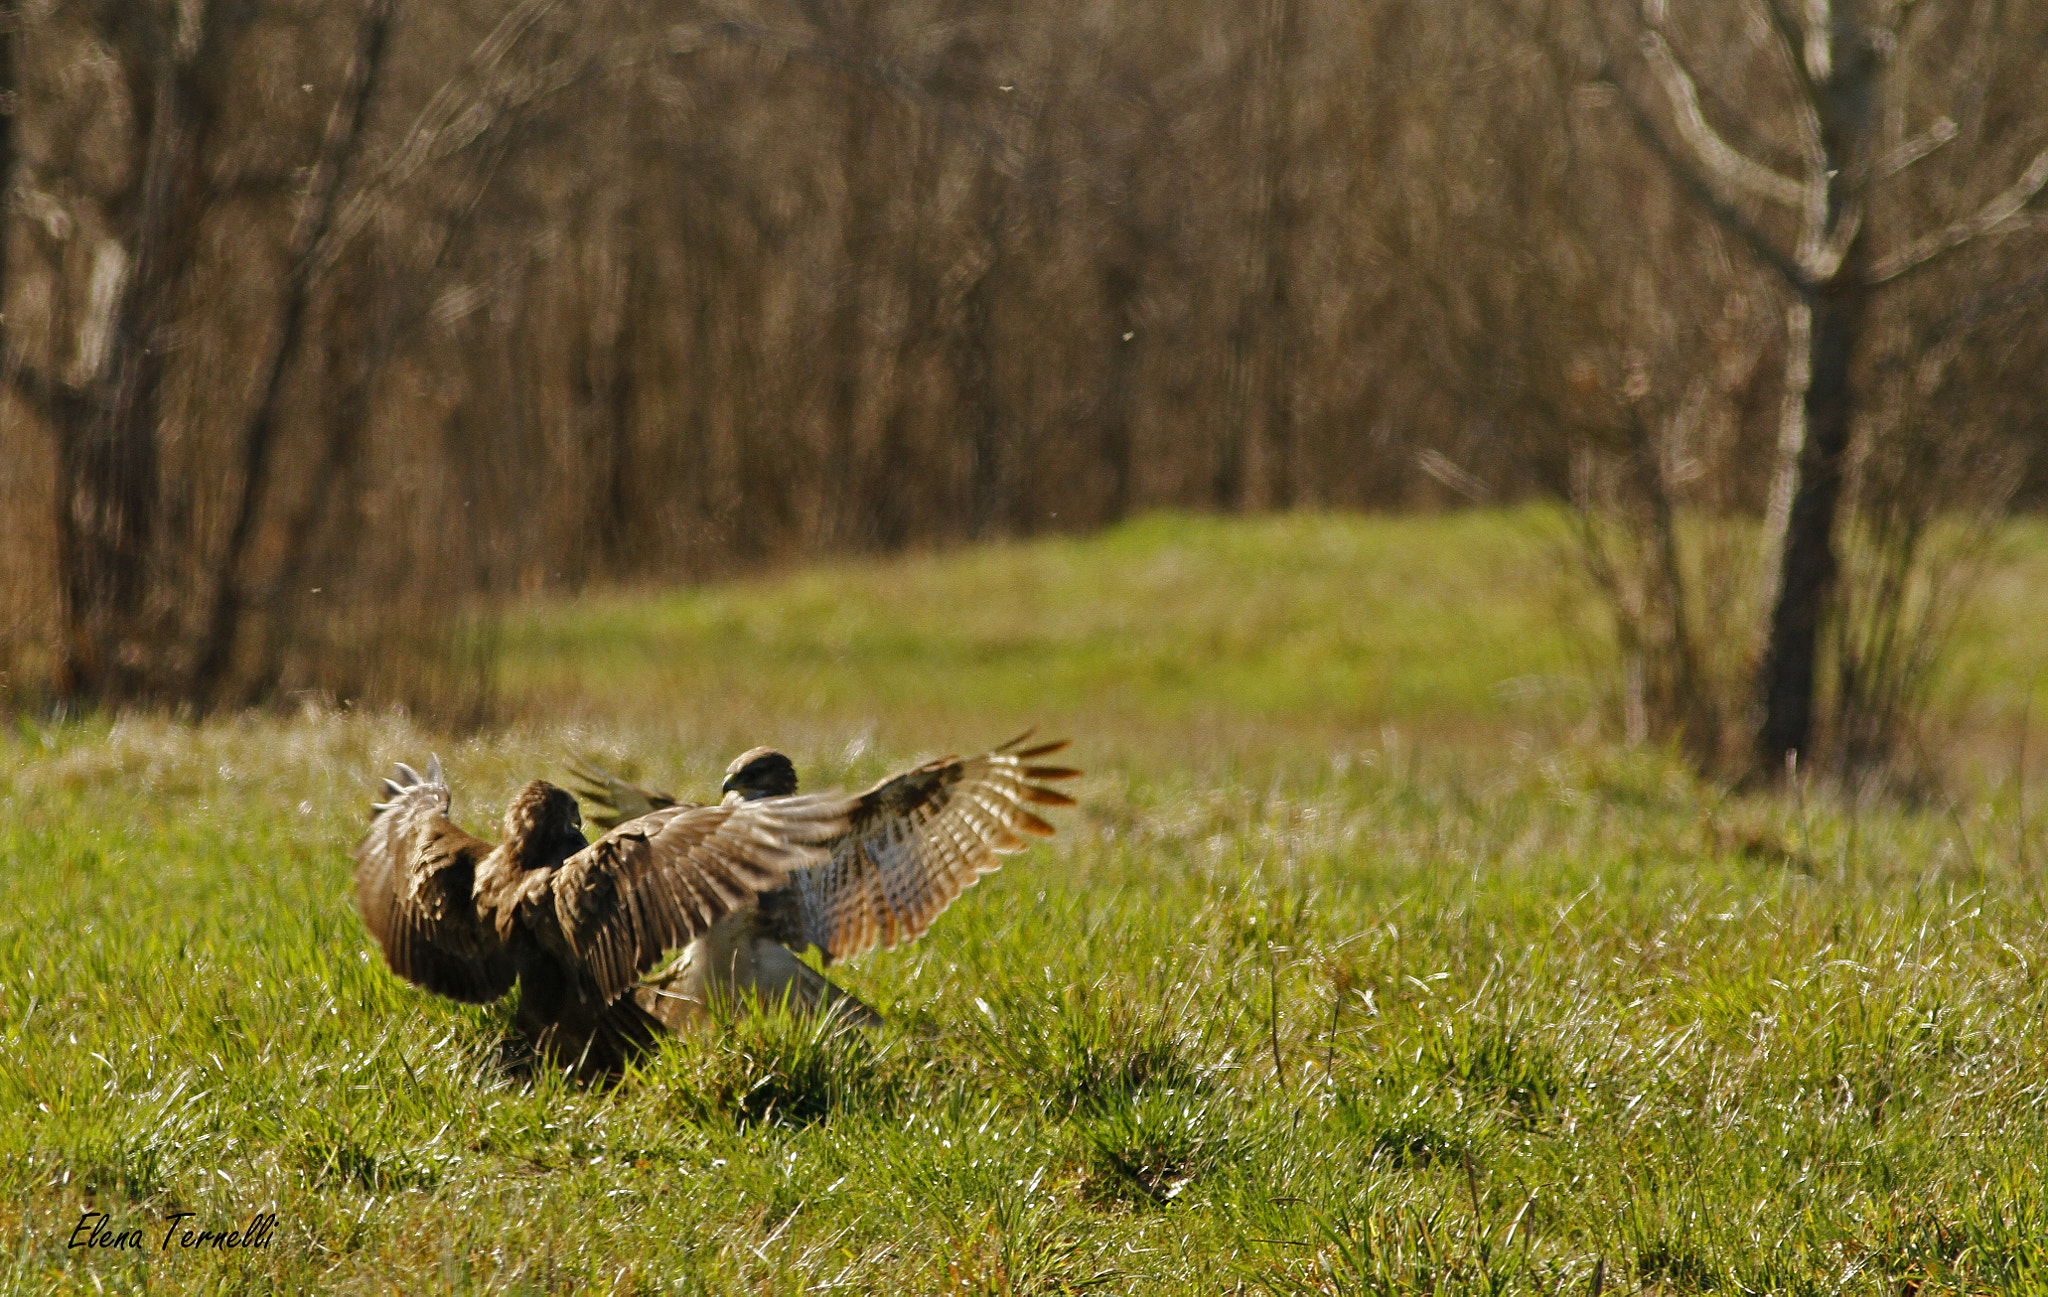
(330, 326)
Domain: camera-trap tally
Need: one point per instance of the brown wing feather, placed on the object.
(613, 800)
(915, 843)
(660, 880)
(415, 878)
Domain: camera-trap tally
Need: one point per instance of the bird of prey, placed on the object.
(911, 845)
(574, 922)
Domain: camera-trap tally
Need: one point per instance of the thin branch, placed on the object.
(1985, 220)
(1806, 105)
(10, 105)
(454, 117)
(1820, 55)
(1794, 39)
(1705, 192)
(1988, 305)
(1822, 254)
(1734, 168)
(848, 61)
(1939, 133)
(1008, 153)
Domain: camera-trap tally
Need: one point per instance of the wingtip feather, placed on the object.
(1042, 750)
(1030, 823)
(1005, 747)
(1050, 772)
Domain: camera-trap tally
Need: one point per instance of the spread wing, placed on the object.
(913, 844)
(657, 881)
(415, 875)
(614, 800)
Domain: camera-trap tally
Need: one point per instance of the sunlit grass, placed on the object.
(1302, 999)
(1307, 623)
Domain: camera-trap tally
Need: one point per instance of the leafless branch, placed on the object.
(456, 114)
(1993, 217)
(1988, 304)
(849, 61)
(1822, 251)
(1819, 56)
(1793, 39)
(1939, 133)
(1004, 152)
(10, 20)
(1734, 169)
(1704, 191)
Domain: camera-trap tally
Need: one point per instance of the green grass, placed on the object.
(1358, 969)
(1298, 624)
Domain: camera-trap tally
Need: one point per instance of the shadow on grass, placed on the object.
(1147, 1151)
(1077, 1053)
(768, 1066)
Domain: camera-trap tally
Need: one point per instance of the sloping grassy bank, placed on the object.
(1301, 627)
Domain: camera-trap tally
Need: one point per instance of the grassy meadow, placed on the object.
(1361, 967)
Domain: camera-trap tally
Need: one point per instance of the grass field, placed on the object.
(1361, 967)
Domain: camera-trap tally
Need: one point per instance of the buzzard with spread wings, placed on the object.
(910, 846)
(575, 923)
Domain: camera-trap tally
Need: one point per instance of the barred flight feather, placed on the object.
(898, 854)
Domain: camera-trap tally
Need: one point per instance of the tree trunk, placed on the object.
(1120, 296)
(10, 104)
(973, 347)
(1845, 102)
(107, 441)
(850, 522)
(211, 672)
(106, 474)
(1806, 574)
(1254, 468)
(1277, 356)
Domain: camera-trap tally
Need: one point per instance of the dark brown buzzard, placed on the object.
(575, 923)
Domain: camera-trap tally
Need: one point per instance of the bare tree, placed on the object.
(1848, 96)
(105, 408)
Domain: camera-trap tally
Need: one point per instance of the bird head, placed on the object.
(546, 823)
(757, 773)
